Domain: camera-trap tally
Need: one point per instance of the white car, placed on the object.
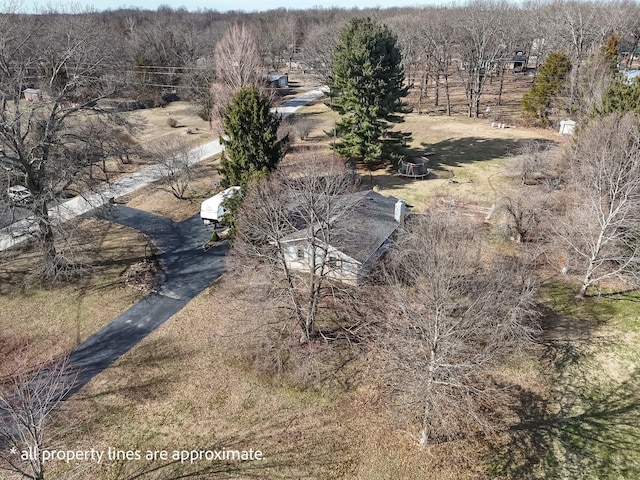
(19, 193)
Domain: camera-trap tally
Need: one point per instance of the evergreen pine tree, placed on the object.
(621, 97)
(250, 138)
(610, 51)
(537, 101)
(367, 87)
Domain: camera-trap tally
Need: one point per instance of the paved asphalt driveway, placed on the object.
(188, 270)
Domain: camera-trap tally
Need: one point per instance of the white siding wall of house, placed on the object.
(338, 265)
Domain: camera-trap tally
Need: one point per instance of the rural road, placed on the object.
(187, 271)
(18, 231)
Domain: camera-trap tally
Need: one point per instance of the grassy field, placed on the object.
(586, 424)
(49, 320)
(155, 121)
(179, 389)
(468, 160)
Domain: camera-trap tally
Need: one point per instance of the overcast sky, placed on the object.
(246, 5)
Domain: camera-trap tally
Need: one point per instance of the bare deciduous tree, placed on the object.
(524, 210)
(319, 47)
(298, 125)
(455, 313)
(531, 161)
(174, 164)
(438, 30)
(602, 227)
(594, 78)
(483, 40)
(237, 61)
(307, 200)
(57, 136)
(27, 399)
(580, 26)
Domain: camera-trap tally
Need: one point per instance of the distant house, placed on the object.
(631, 75)
(364, 235)
(518, 62)
(35, 94)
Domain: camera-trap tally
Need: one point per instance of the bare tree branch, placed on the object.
(602, 225)
(27, 399)
(454, 313)
(287, 226)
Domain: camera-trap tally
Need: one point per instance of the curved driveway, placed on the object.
(188, 270)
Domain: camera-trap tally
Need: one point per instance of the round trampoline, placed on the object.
(413, 167)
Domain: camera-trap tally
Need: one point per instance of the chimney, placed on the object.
(400, 212)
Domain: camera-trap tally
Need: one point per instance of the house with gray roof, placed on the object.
(363, 235)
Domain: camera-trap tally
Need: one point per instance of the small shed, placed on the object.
(35, 94)
(32, 94)
(567, 127)
(277, 80)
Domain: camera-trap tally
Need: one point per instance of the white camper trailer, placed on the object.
(212, 210)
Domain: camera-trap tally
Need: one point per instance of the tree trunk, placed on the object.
(422, 93)
(47, 240)
(501, 87)
(426, 85)
(426, 432)
(632, 53)
(586, 282)
(447, 94)
(437, 94)
(296, 304)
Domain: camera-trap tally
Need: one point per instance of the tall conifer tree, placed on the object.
(367, 86)
(536, 103)
(250, 138)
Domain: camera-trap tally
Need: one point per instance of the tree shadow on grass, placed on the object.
(587, 425)
(461, 151)
(290, 458)
(144, 377)
(446, 154)
(594, 434)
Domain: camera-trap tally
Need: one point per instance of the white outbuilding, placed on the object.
(567, 127)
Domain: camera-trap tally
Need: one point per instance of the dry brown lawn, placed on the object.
(176, 391)
(158, 199)
(49, 320)
(468, 161)
(185, 114)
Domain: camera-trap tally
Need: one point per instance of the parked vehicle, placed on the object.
(212, 209)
